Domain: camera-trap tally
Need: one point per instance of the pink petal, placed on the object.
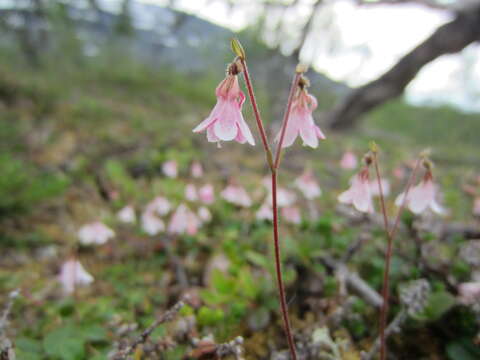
(309, 136)
(244, 131)
(225, 128)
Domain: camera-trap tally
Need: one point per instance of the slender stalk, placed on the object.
(388, 254)
(273, 169)
(256, 113)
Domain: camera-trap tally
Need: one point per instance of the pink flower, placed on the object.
(196, 169)
(95, 233)
(191, 193)
(307, 184)
(476, 206)
(183, 221)
(127, 215)
(236, 195)
(359, 194)
(422, 197)
(399, 172)
(349, 161)
(170, 169)
(151, 223)
(301, 122)
(73, 273)
(469, 293)
(204, 214)
(226, 122)
(159, 205)
(265, 212)
(206, 194)
(284, 197)
(375, 191)
(291, 214)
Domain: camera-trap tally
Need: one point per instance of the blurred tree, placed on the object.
(124, 23)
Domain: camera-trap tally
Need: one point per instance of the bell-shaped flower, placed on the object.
(184, 221)
(284, 197)
(170, 169)
(375, 191)
(359, 194)
(422, 197)
(469, 293)
(151, 223)
(127, 215)
(307, 184)
(72, 273)
(476, 206)
(301, 121)
(349, 161)
(95, 233)
(204, 214)
(159, 205)
(236, 195)
(226, 121)
(206, 194)
(291, 214)
(191, 192)
(265, 212)
(196, 169)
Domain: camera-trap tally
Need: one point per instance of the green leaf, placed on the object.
(438, 304)
(462, 350)
(64, 343)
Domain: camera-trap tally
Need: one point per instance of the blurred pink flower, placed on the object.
(265, 212)
(375, 191)
(469, 293)
(291, 214)
(307, 184)
(127, 215)
(95, 233)
(206, 194)
(399, 172)
(236, 195)
(476, 206)
(151, 223)
(183, 221)
(422, 197)
(191, 192)
(196, 169)
(204, 214)
(170, 169)
(226, 122)
(71, 274)
(301, 121)
(359, 194)
(159, 205)
(284, 197)
(349, 161)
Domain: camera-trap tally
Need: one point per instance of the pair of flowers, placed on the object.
(226, 122)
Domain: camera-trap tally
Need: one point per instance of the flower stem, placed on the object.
(278, 269)
(273, 169)
(389, 251)
(256, 113)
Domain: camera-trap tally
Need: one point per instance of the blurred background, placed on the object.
(98, 99)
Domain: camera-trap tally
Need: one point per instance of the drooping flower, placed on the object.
(226, 121)
(359, 194)
(196, 169)
(284, 197)
(469, 293)
(72, 273)
(291, 214)
(236, 195)
(204, 214)
(191, 192)
(170, 169)
(422, 197)
(307, 184)
(151, 223)
(375, 191)
(159, 205)
(476, 206)
(127, 215)
(95, 233)
(301, 121)
(183, 221)
(265, 212)
(206, 194)
(349, 161)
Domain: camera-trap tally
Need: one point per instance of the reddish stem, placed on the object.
(256, 113)
(278, 269)
(388, 254)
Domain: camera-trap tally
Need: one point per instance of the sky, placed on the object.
(373, 39)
